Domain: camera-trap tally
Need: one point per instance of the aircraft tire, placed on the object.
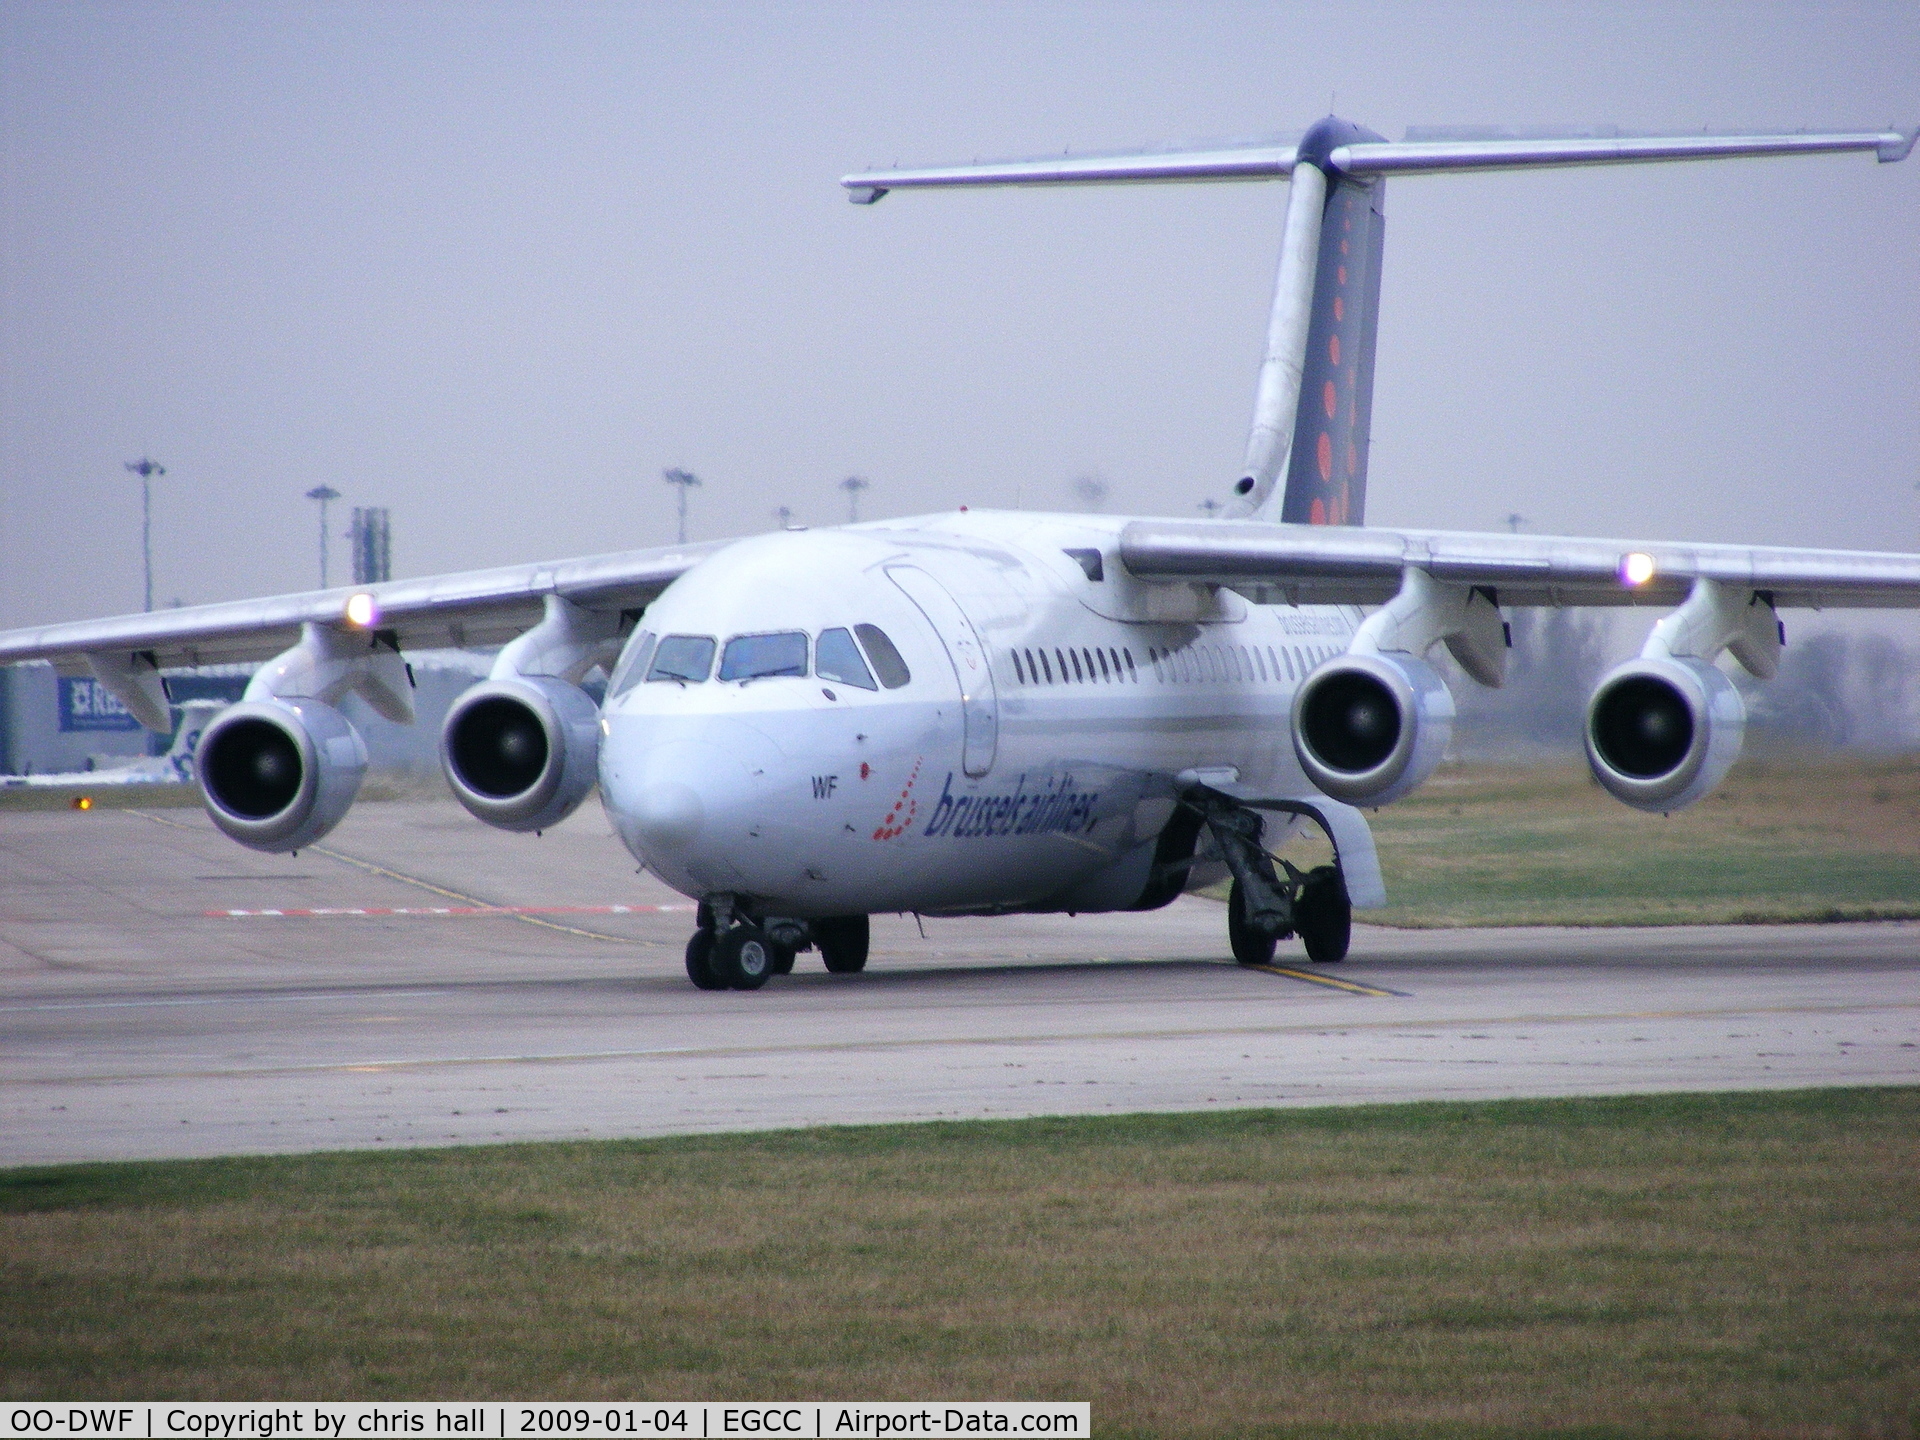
(743, 958)
(1324, 916)
(842, 942)
(700, 961)
(782, 958)
(1250, 947)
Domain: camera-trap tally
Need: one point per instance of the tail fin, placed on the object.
(1326, 461)
(1315, 402)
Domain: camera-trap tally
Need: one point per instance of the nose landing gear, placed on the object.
(732, 951)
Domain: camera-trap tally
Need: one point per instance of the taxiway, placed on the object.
(164, 992)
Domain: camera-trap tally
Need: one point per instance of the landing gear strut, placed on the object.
(1263, 909)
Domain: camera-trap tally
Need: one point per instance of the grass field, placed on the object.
(1684, 1265)
(1785, 838)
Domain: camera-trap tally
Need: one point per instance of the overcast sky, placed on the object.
(495, 266)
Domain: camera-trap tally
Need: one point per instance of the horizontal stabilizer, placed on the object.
(1430, 150)
(1267, 161)
(1463, 151)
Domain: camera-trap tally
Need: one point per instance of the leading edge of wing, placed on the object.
(473, 607)
(1332, 564)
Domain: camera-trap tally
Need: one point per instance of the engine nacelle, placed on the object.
(1369, 728)
(277, 775)
(522, 753)
(1663, 732)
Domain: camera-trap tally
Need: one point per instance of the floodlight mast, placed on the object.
(324, 494)
(853, 485)
(146, 469)
(682, 481)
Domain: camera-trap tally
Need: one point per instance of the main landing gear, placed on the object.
(1263, 909)
(734, 951)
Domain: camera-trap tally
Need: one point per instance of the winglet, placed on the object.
(1897, 144)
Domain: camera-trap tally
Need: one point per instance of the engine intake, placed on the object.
(277, 775)
(521, 753)
(1663, 732)
(1369, 728)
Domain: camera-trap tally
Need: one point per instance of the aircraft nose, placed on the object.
(666, 811)
(685, 792)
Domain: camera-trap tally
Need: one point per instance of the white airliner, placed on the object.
(991, 712)
(173, 768)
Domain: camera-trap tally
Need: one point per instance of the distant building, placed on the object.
(371, 545)
(51, 722)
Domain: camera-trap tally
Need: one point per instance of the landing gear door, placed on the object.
(978, 704)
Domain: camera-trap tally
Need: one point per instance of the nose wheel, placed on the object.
(732, 951)
(742, 957)
(700, 961)
(842, 942)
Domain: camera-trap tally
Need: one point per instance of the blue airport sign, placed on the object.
(88, 705)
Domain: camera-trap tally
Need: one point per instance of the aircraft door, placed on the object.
(979, 705)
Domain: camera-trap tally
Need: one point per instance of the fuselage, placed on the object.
(1027, 759)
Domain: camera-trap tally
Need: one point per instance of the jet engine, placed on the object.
(1662, 732)
(521, 753)
(279, 774)
(1369, 728)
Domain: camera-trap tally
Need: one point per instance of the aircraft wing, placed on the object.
(470, 608)
(1352, 565)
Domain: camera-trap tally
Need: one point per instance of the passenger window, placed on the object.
(686, 658)
(1260, 664)
(1046, 667)
(1101, 656)
(633, 664)
(836, 657)
(762, 657)
(1132, 674)
(1018, 673)
(887, 663)
(1076, 667)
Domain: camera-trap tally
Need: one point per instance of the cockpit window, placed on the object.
(632, 666)
(838, 658)
(887, 663)
(758, 657)
(682, 657)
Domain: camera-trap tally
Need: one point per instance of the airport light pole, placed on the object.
(682, 481)
(324, 494)
(146, 469)
(853, 485)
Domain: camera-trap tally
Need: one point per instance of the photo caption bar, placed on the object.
(602, 1420)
